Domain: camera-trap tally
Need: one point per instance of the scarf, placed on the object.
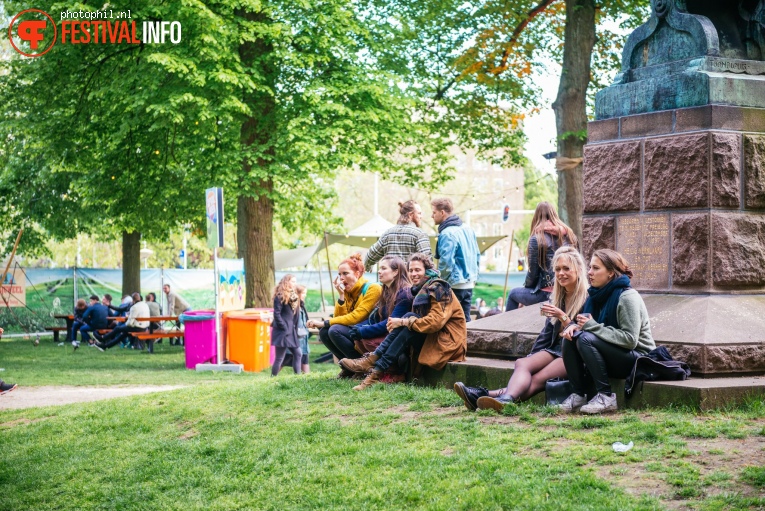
(452, 221)
(294, 301)
(603, 301)
(435, 287)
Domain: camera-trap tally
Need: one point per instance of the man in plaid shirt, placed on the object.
(403, 239)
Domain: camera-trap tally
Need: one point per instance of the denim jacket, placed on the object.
(460, 257)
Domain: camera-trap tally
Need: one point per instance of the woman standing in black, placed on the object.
(284, 335)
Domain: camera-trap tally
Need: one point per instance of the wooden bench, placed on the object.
(150, 337)
(56, 330)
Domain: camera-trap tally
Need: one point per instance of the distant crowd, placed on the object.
(100, 318)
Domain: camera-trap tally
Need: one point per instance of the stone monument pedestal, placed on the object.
(674, 179)
(681, 194)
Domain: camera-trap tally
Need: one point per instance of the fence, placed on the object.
(54, 291)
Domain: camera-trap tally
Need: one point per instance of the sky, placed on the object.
(540, 128)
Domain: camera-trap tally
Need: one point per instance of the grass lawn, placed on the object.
(255, 442)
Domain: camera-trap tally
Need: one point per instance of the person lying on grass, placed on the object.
(395, 301)
(436, 324)
(544, 362)
(356, 299)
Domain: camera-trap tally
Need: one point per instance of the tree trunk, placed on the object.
(255, 206)
(241, 227)
(259, 256)
(570, 106)
(131, 262)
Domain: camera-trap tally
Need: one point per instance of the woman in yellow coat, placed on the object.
(436, 323)
(356, 300)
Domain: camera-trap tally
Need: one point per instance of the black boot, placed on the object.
(470, 395)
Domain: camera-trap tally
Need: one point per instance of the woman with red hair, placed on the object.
(356, 300)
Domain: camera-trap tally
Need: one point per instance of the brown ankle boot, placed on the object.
(372, 378)
(360, 365)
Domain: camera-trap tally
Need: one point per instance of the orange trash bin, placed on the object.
(248, 333)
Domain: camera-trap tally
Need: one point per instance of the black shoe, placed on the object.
(100, 346)
(494, 403)
(469, 395)
(6, 387)
(345, 374)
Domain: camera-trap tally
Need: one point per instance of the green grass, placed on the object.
(254, 442)
(49, 364)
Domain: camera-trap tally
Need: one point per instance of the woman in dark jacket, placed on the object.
(284, 335)
(548, 233)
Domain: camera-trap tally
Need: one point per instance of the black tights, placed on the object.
(297, 355)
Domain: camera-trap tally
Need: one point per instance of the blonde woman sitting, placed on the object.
(544, 362)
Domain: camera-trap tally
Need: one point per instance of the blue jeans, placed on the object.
(525, 296)
(72, 334)
(85, 333)
(396, 343)
(465, 296)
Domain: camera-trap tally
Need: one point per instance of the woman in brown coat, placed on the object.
(436, 323)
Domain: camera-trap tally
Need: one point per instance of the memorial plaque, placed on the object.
(644, 241)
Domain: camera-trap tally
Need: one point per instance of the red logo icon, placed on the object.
(32, 29)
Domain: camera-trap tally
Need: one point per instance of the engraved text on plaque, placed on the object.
(644, 241)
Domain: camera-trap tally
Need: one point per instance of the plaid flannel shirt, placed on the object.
(399, 240)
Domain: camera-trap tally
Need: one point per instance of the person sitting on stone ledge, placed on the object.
(548, 233)
(396, 297)
(609, 335)
(436, 324)
(356, 299)
(544, 362)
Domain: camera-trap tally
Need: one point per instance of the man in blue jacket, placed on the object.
(94, 318)
(457, 252)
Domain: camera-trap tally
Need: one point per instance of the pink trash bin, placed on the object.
(199, 338)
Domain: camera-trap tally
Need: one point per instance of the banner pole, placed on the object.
(216, 278)
(329, 268)
(507, 270)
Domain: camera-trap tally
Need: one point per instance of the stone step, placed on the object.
(696, 393)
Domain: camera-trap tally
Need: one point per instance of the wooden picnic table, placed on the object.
(69, 324)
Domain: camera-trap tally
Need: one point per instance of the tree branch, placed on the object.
(540, 8)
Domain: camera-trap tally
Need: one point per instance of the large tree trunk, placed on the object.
(259, 256)
(131, 262)
(570, 106)
(255, 206)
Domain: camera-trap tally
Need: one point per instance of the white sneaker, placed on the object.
(601, 403)
(572, 403)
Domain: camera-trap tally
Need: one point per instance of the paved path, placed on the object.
(29, 397)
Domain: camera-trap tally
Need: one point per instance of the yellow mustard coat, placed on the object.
(356, 307)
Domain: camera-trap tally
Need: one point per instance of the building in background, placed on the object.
(479, 191)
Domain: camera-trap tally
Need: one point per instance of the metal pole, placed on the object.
(321, 285)
(10, 259)
(217, 318)
(185, 255)
(329, 268)
(162, 288)
(507, 270)
(74, 280)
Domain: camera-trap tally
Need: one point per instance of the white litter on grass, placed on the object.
(620, 447)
